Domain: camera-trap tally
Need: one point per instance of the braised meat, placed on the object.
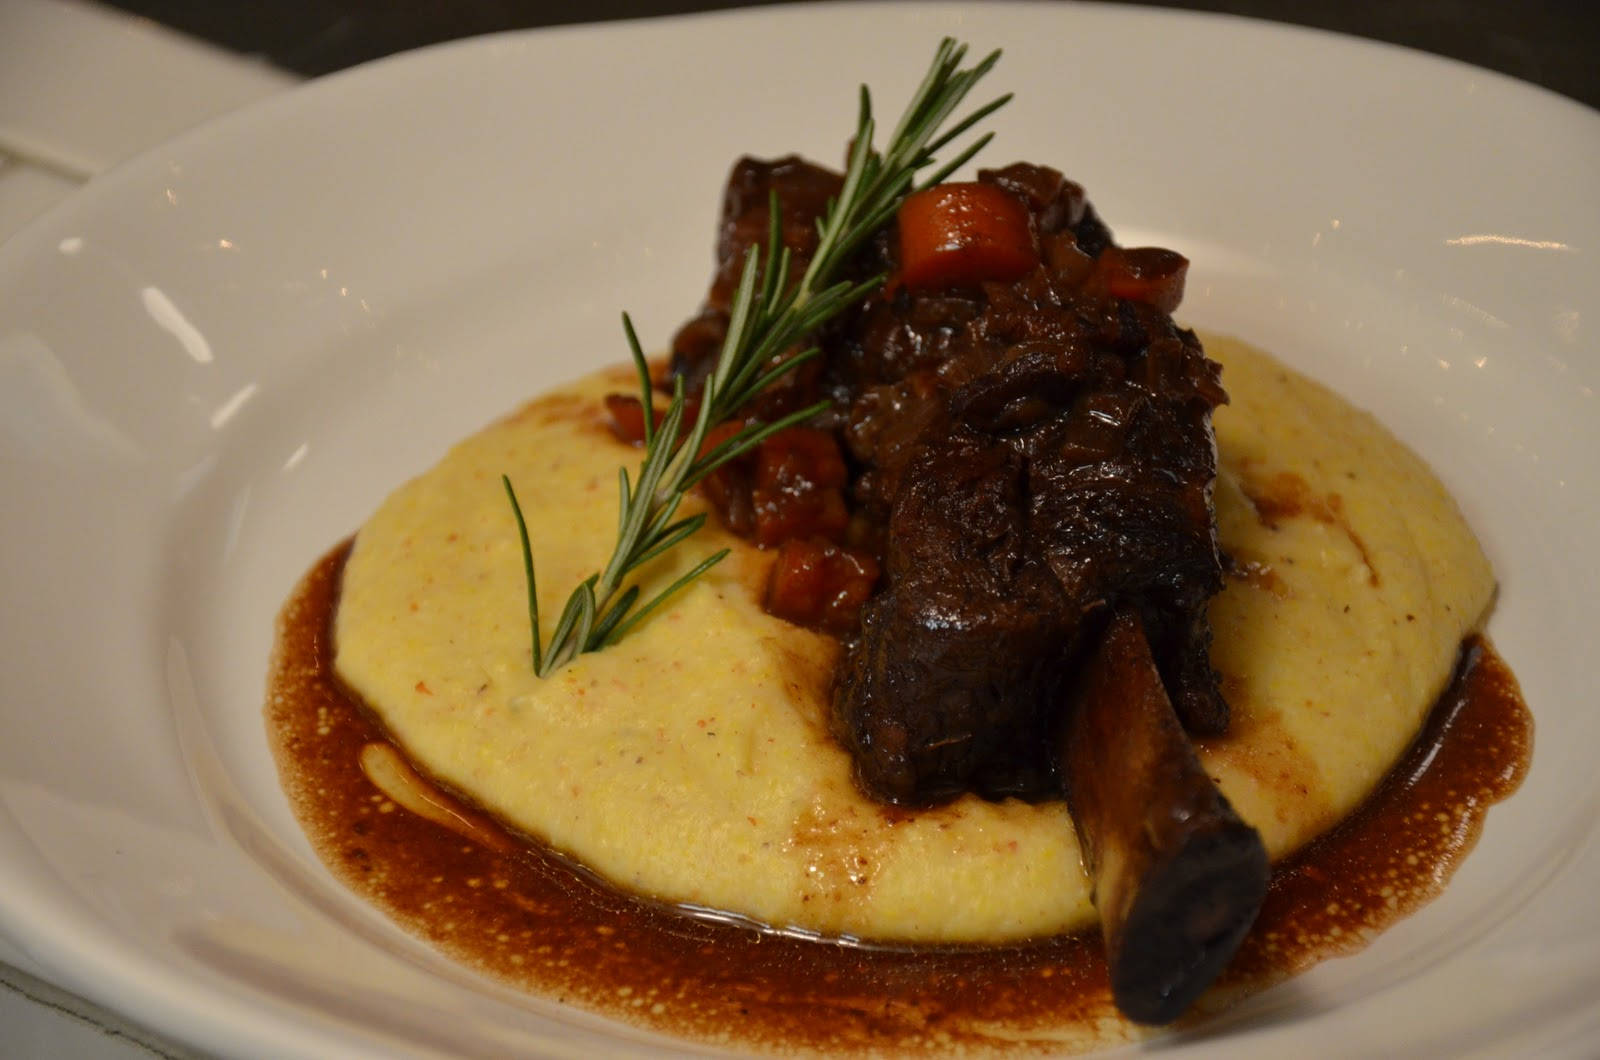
(1022, 456)
(1025, 438)
(1038, 452)
(803, 191)
(954, 680)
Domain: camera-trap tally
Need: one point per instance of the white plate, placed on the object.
(214, 363)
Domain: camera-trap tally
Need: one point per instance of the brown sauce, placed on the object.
(522, 914)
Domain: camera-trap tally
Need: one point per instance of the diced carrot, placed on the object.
(851, 576)
(789, 486)
(797, 487)
(627, 417)
(720, 433)
(795, 589)
(961, 234)
(820, 584)
(1143, 274)
(728, 487)
(800, 454)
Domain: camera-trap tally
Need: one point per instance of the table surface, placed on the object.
(1549, 42)
(165, 65)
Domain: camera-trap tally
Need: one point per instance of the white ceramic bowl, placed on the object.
(215, 361)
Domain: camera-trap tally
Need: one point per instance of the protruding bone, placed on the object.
(1178, 877)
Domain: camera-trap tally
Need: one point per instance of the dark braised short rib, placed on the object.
(1065, 468)
(1030, 466)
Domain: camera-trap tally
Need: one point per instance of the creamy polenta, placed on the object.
(692, 762)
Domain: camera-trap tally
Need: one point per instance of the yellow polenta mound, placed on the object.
(692, 762)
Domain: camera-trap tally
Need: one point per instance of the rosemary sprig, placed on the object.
(769, 316)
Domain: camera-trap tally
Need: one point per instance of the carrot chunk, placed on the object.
(627, 417)
(961, 234)
(1144, 274)
(797, 487)
(819, 584)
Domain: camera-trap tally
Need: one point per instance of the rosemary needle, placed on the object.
(768, 316)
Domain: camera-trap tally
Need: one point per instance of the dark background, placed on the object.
(1550, 43)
